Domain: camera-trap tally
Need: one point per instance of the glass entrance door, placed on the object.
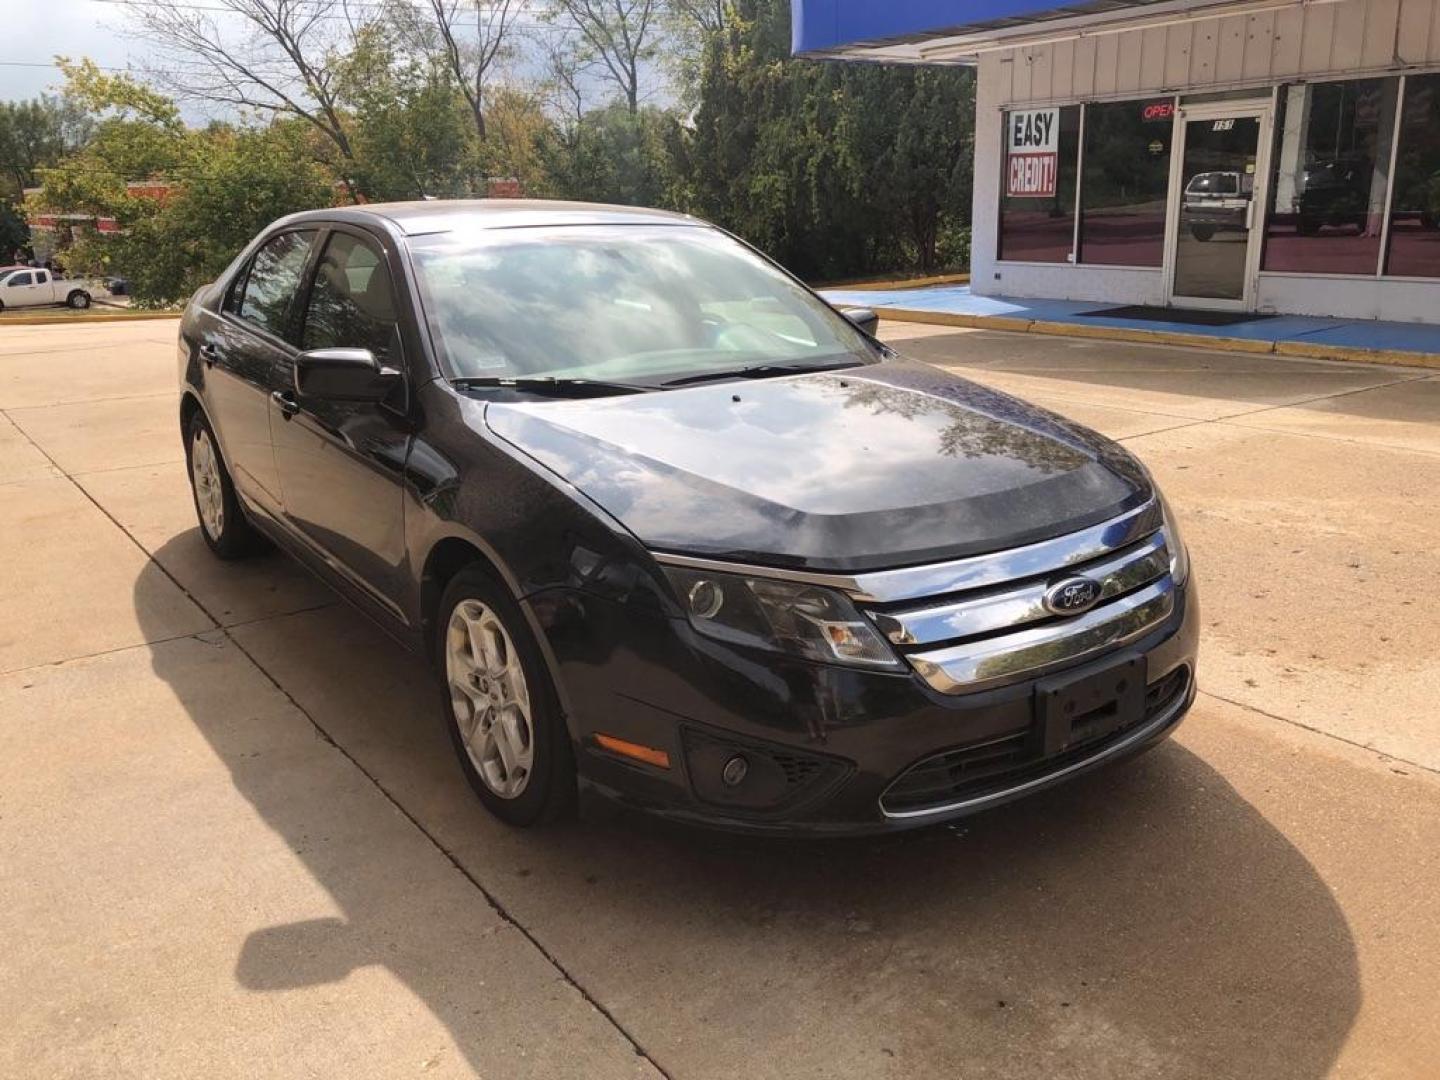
(1217, 223)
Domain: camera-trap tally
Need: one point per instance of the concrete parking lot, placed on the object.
(234, 842)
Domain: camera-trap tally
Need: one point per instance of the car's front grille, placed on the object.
(985, 621)
(996, 765)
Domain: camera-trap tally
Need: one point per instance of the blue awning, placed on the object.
(819, 26)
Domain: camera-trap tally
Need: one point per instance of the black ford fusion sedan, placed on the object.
(671, 527)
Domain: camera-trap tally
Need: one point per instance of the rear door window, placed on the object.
(352, 303)
(273, 281)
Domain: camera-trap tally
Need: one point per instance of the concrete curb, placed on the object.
(904, 283)
(77, 320)
(1299, 349)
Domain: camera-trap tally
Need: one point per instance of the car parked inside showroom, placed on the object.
(671, 528)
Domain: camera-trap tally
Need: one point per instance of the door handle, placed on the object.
(286, 402)
(209, 353)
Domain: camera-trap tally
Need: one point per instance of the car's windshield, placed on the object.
(618, 303)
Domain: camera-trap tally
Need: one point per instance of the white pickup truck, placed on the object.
(29, 287)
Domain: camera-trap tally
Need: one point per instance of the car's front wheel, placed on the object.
(222, 522)
(501, 708)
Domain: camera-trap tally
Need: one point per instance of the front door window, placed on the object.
(1218, 172)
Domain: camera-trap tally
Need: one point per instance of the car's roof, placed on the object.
(448, 215)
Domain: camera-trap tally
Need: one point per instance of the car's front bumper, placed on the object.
(824, 743)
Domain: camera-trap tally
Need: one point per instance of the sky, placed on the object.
(36, 31)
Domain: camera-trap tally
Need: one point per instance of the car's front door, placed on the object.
(20, 290)
(245, 354)
(341, 463)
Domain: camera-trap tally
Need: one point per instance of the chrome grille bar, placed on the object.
(994, 611)
(957, 575)
(1045, 557)
(993, 661)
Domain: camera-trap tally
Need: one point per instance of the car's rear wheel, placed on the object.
(79, 300)
(1202, 232)
(501, 708)
(222, 523)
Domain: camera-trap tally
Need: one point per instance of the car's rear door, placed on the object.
(246, 351)
(341, 463)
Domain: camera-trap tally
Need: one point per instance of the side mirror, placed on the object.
(343, 375)
(864, 319)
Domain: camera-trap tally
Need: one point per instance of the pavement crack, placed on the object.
(1163, 430)
(1321, 731)
(1395, 447)
(499, 908)
(1321, 397)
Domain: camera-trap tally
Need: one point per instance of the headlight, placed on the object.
(1179, 556)
(790, 617)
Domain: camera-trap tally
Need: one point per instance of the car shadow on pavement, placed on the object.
(1144, 921)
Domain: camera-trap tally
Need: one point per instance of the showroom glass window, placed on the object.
(1415, 206)
(1125, 182)
(1332, 157)
(352, 303)
(1037, 186)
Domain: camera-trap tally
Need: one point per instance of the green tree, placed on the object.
(35, 134)
(14, 232)
(615, 41)
(916, 131)
(835, 169)
(611, 155)
(409, 125)
(225, 184)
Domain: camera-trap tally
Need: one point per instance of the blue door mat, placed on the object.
(1187, 316)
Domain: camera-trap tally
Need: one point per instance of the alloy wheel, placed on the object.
(205, 475)
(490, 698)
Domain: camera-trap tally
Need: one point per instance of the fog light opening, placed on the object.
(735, 771)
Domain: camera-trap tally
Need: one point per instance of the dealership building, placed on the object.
(1265, 156)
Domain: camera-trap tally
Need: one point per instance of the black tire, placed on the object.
(1202, 232)
(235, 537)
(79, 300)
(549, 790)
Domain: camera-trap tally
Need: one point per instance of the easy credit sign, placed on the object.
(1032, 153)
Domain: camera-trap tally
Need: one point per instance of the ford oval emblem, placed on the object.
(1072, 596)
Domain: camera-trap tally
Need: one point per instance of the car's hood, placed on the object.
(869, 467)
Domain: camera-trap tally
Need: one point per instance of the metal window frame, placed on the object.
(1383, 256)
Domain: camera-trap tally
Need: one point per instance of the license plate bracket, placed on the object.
(1074, 709)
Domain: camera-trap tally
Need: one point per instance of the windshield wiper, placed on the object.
(758, 371)
(549, 384)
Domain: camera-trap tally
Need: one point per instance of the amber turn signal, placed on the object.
(648, 754)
